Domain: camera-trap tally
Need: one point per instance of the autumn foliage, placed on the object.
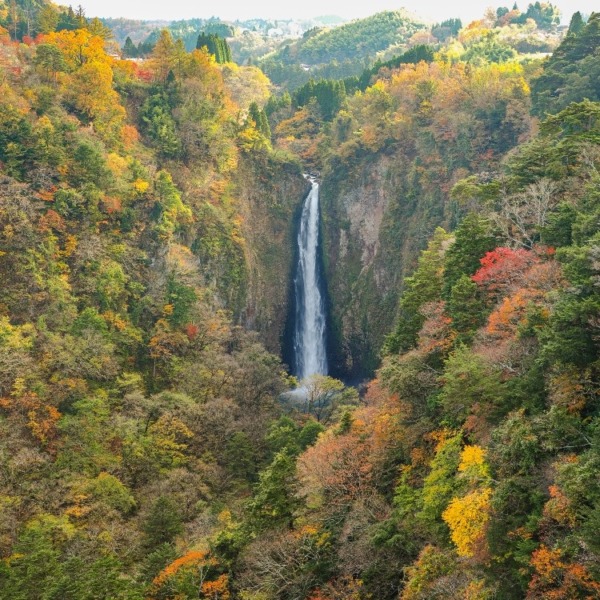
(557, 579)
(150, 446)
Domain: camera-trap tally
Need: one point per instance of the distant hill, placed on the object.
(357, 39)
(340, 51)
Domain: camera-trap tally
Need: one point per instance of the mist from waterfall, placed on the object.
(310, 353)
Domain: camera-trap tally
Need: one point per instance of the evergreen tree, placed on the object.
(163, 523)
(260, 120)
(576, 26)
(50, 58)
(329, 94)
(465, 308)
(67, 20)
(216, 46)
(274, 501)
(469, 380)
(48, 19)
(129, 49)
(240, 457)
(473, 238)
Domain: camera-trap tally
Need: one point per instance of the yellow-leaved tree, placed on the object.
(86, 75)
(467, 516)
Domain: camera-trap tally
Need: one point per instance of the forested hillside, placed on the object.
(340, 51)
(129, 198)
(152, 445)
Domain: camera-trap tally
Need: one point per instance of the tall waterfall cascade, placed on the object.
(310, 353)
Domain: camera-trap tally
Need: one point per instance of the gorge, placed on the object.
(185, 314)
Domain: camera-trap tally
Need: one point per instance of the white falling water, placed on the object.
(309, 335)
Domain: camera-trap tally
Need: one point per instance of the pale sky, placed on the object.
(271, 9)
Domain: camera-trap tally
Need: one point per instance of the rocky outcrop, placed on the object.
(376, 219)
(269, 193)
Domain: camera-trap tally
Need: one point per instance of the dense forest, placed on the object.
(153, 444)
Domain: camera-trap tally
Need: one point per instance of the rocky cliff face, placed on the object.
(269, 194)
(376, 218)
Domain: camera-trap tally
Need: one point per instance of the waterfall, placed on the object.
(309, 331)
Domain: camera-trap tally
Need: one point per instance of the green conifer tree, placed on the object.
(576, 26)
(216, 46)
